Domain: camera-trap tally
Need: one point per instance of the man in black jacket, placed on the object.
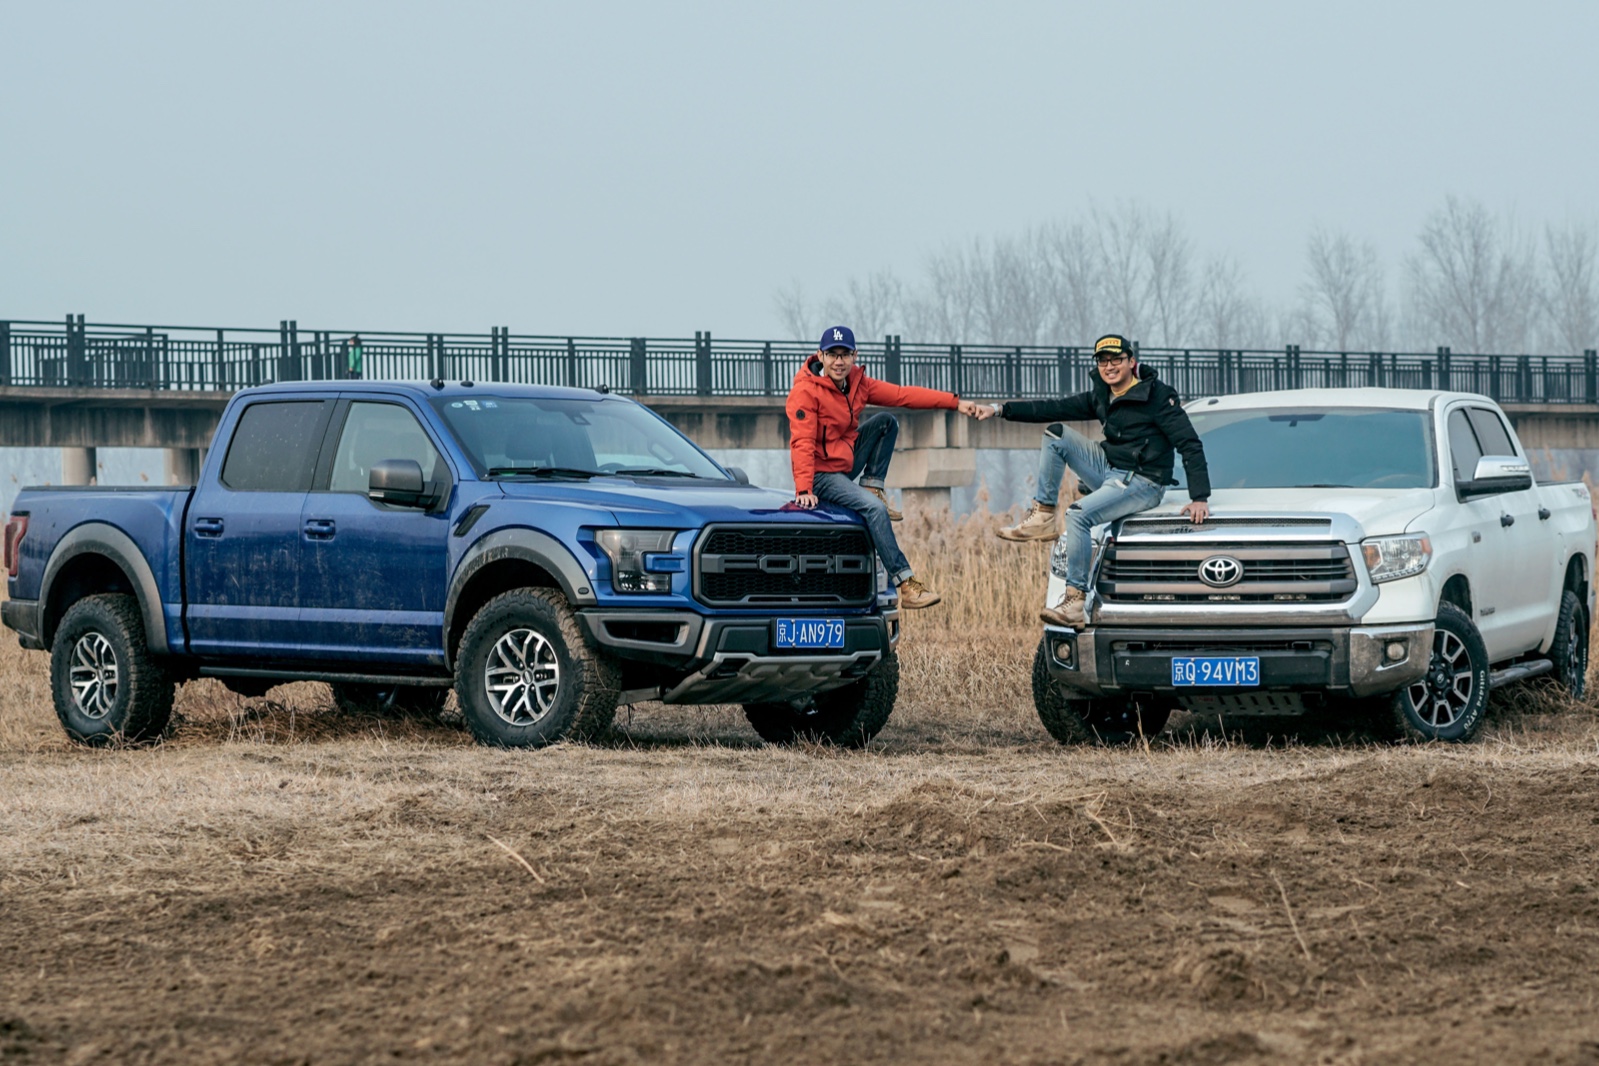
(1144, 424)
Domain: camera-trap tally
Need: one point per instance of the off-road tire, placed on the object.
(104, 635)
(1450, 702)
(391, 701)
(584, 700)
(1110, 720)
(1570, 650)
(847, 717)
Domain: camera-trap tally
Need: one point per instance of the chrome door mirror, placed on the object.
(1496, 474)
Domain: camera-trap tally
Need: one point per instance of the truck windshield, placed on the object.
(519, 436)
(1346, 447)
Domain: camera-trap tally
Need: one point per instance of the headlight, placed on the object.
(640, 559)
(1391, 558)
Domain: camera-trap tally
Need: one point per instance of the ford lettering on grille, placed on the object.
(794, 565)
(787, 564)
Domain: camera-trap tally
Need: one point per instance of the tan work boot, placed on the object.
(1037, 524)
(915, 595)
(893, 515)
(1070, 611)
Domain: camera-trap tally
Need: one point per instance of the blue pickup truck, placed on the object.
(550, 553)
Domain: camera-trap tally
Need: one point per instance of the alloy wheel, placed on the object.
(522, 677)
(1443, 695)
(94, 675)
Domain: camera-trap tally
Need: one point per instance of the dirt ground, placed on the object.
(280, 883)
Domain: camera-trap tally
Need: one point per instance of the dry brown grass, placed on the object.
(965, 677)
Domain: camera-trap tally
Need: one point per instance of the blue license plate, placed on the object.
(810, 632)
(1221, 670)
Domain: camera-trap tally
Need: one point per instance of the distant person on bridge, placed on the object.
(831, 446)
(352, 357)
(1144, 424)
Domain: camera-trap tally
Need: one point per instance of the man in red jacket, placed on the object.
(831, 446)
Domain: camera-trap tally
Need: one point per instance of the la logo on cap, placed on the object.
(838, 335)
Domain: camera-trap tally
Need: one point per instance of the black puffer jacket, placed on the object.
(1143, 426)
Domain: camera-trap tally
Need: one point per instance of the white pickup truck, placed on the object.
(1365, 547)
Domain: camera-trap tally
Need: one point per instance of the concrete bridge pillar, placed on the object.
(183, 465)
(934, 455)
(78, 466)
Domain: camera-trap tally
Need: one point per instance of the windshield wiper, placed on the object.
(1326, 486)
(543, 471)
(656, 471)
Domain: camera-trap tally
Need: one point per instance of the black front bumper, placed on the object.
(733, 660)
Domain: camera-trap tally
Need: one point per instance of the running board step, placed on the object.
(1519, 672)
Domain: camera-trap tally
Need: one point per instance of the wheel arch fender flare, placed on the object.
(522, 545)
(103, 539)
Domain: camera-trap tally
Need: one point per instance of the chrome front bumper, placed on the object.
(1350, 661)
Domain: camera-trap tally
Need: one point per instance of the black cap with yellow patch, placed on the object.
(1114, 344)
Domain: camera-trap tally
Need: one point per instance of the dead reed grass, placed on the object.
(965, 680)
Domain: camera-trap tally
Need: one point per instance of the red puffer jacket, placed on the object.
(823, 419)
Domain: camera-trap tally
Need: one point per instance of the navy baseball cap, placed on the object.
(838, 337)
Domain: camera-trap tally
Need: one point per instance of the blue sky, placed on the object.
(660, 168)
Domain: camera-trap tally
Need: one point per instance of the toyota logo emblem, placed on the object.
(1219, 571)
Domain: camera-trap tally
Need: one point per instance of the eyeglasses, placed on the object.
(838, 353)
(1107, 360)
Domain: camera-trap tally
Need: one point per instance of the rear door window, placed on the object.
(274, 446)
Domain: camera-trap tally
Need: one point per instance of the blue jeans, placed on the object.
(1112, 494)
(874, 449)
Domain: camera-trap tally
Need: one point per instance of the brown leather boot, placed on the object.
(1070, 611)
(915, 595)
(893, 515)
(1037, 524)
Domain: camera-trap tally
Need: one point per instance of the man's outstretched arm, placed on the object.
(1078, 408)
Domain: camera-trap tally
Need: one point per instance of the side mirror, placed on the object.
(397, 482)
(1496, 474)
(738, 474)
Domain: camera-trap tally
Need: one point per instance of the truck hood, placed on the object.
(1377, 511)
(664, 503)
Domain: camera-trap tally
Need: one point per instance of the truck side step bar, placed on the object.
(285, 676)
(1519, 672)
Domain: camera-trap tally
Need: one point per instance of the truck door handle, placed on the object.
(208, 527)
(319, 528)
(1507, 519)
(1543, 514)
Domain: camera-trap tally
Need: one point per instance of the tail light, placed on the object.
(16, 529)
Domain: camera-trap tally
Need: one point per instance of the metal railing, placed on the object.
(75, 354)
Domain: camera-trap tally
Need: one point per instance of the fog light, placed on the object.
(1395, 650)
(1066, 653)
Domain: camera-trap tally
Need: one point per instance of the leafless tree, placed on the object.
(1226, 314)
(872, 306)
(1069, 261)
(794, 311)
(1571, 294)
(1472, 282)
(946, 310)
(1344, 294)
(1146, 275)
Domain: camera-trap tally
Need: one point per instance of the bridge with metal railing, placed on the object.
(74, 354)
(80, 386)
